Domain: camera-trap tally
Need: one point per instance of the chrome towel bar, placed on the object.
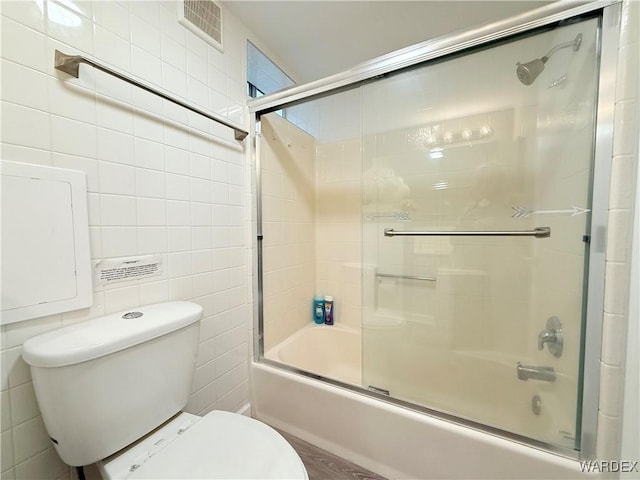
(70, 64)
(406, 277)
(538, 232)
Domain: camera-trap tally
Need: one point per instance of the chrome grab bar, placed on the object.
(525, 372)
(538, 232)
(70, 64)
(406, 277)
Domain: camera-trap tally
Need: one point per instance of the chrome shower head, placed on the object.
(528, 72)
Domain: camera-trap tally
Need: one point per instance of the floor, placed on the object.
(322, 465)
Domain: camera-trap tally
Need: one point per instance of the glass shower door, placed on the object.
(457, 315)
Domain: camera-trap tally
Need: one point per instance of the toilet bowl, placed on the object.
(111, 391)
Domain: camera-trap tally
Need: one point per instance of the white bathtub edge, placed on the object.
(276, 420)
(390, 440)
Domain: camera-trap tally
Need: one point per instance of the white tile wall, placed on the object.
(160, 181)
(339, 224)
(623, 190)
(289, 207)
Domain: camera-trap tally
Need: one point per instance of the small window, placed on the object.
(264, 76)
(253, 91)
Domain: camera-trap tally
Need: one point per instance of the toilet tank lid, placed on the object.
(102, 336)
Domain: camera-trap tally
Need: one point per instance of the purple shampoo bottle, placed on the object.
(328, 310)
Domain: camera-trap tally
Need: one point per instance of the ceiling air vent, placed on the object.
(204, 18)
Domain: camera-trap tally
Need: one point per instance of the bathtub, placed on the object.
(330, 351)
(399, 442)
(478, 386)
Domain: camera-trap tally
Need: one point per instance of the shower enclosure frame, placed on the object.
(610, 10)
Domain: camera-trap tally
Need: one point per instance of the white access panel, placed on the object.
(45, 263)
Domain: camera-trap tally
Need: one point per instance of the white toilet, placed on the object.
(104, 384)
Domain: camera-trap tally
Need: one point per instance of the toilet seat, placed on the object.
(218, 445)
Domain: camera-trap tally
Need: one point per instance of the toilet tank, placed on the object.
(103, 383)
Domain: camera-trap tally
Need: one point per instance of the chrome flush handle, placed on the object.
(552, 336)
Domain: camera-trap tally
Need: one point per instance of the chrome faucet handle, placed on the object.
(552, 336)
(546, 336)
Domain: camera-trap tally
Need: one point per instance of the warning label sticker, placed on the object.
(113, 270)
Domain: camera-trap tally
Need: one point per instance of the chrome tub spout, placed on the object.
(526, 372)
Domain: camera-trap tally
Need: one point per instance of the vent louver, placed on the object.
(204, 18)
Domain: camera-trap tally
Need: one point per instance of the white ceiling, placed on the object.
(313, 39)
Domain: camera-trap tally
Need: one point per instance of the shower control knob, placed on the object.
(552, 337)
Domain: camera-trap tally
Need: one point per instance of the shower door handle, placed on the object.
(538, 232)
